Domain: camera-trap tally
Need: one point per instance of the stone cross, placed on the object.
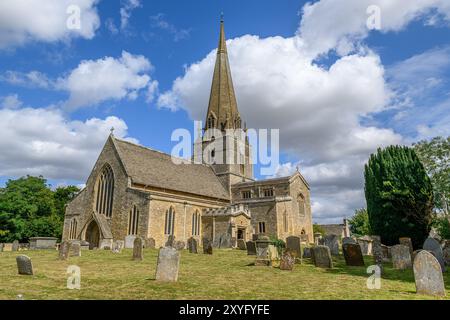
(138, 252)
(435, 248)
(168, 264)
(401, 258)
(428, 274)
(24, 265)
(64, 250)
(352, 254)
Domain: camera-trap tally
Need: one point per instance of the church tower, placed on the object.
(225, 143)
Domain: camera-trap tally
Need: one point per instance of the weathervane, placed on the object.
(221, 16)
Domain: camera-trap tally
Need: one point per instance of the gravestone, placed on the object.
(428, 274)
(273, 255)
(293, 245)
(317, 238)
(75, 249)
(251, 248)
(322, 256)
(352, 254)
(138, 252)
(254, 237)
(168, 264)
(64, 250)
(192, 245)
(170, 241)
(377, 251)
(346, 240)
(233, 242)
(225, 241)
(207, 246)
(1, 247)
(287, 261)
(366, 245)
(406, 242)
(435, 248)
(307, 252)
(386, 250)
(117, 247)
(179, 245)
(42, 243)
(401, 258)
(332, 242)
(150, 243)
(241, 244)
(24, 265)
(129, 241)
(262, 251)
(15, 245)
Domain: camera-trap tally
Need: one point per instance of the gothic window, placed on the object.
(133, 221)
(73, 229)
(213, 153)
(105, 192)
(301, 204)
(246, 194)
(268, 192)
(196, 223)
(170, 222)
(210, 122)
(285, 222)
(262, 227)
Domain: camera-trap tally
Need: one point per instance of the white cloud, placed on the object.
(125, 11)
(33, 79)
(46, 143)
(10, 102)
(44, 20)
(159, 21)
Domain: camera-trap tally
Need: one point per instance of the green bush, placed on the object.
(318, 229)
(280, 244)
(442, 226)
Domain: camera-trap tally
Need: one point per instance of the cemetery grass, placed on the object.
(228, 274)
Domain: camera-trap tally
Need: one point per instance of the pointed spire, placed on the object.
(222, 109)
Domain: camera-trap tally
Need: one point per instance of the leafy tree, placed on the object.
(442, 225)
(318, 229)
(435, 156)
(399, 195)
(359, 223)
(62, 196)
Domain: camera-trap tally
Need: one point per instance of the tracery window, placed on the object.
(105, 192)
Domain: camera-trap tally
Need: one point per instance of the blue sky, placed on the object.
(336, 90)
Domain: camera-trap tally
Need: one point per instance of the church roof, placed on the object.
(153, 168)
(222, 101)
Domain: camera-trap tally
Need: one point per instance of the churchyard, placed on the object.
(225, 274)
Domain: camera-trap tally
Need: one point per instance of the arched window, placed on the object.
(73, 229)
(301, 205)
(285, 222)
(196, 223)
(133, 221)
(170, 221)
(105, 192)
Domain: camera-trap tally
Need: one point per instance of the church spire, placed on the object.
(222, 109)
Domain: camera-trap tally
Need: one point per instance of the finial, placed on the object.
(297, 168)
(112, 131)
(221, 16)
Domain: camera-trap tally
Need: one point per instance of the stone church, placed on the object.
(136, 191)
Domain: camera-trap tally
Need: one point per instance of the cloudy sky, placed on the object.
(337, 81)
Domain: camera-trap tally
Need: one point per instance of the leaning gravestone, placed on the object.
(352, 254)
(435, 248)
(401, 258)
(346, 240)
(207, 246)
(241, 244)
(332, 242)
(64, 250)
(251, 248)
(406, 242)
(322, 257)
(170, 241)
(287, 261)
(138, 252)
(168, 264)
(192, 245)
(24, 265)
(293, 245)
(428, 274)
(262, 251)
(15, 245)
(75, 249)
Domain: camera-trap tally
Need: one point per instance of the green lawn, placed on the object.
(228, 274)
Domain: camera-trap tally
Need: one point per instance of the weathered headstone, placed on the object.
(15, 245)
(24, 265)
(273, 255)
(332, 242)
(207, 246)
(138, 252)
(377, 251)
(346, 240)
(42, 243)
(129, 241)
(192, 245)
(179, 245)
(322, 257)
(366, 245)
(168, 264)
(401, 258)
(170, 241)
(386, 250)
(352, 254)
(251, 248)
(150, 243)
(293, 245)
(287, 261)
(262, 251)
(435, 248)
(225, 241)
(428, 274)
(64, 250)
(406, 242)
(241, 244)
(317, 238)
(118, 246)
(307, 252)
(75, 249)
